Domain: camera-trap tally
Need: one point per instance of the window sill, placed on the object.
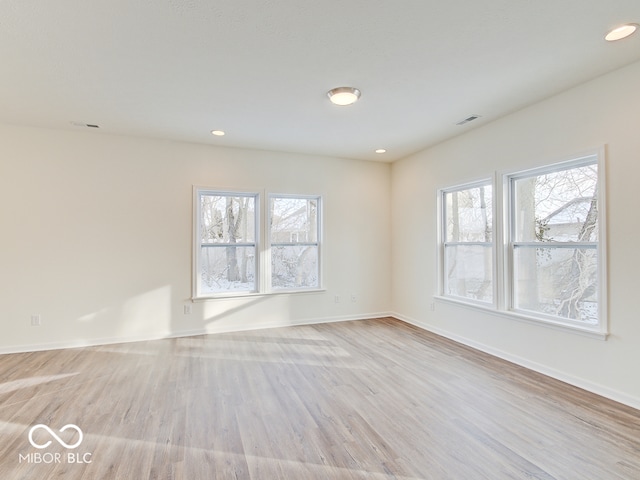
(229, 296)
(523, 317)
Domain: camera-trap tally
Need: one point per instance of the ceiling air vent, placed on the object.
(82, 124)
(470, 118)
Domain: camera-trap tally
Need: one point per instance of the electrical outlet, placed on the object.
(187, 309)
(336, 299)
(36, 320)
(353, 298)
(432, 306)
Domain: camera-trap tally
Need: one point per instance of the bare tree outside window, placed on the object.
(227, 242)
(295, 246)
(546, 253)
(555, 242)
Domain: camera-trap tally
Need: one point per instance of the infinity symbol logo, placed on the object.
(58, 439)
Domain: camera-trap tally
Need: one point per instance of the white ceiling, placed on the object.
(260, 69)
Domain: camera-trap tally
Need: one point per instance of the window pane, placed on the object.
(469, 215)
(227, 268)
(294, 220)
(558, 206)
(469, 271)
(227, 219)
(562, 282)
(294, 266)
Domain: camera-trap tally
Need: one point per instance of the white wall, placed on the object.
(605, 111)
(97, 229)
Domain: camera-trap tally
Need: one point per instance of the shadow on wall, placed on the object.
(153, 314)
(156, 314)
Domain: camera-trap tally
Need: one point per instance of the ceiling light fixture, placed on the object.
(381, 150)
(343, 95)
(621, 32)
(217, 133)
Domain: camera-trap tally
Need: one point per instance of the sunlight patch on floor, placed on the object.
(14, 385)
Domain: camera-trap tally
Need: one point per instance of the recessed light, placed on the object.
(343, 95)
(381, 150)
(621, 32)
(217, 133)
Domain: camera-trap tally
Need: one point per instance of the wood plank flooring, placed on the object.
(374, 399)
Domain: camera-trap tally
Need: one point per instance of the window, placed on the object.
(553, 248)
(227, 243)
(294, 232)
(229, 256)
(467, 251)
(544, 260)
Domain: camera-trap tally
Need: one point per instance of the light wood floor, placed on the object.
(375, 399)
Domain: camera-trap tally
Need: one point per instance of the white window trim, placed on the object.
(319, 243)
(502, 251)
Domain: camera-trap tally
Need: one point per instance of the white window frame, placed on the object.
(262, 261)
(510, 244)
(443, 243)
(317, 243)
(198, 192)
(503, 248)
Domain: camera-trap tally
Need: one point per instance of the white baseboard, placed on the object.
(579, 382)
(93, 342)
